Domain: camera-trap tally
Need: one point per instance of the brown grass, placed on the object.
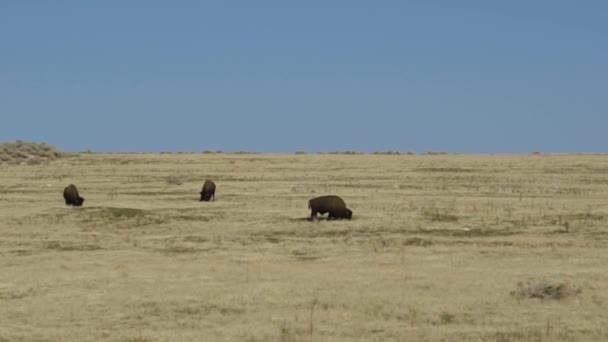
(440, 248)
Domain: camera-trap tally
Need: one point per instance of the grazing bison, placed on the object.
(331, 204)
(70, 194)
(208, 191)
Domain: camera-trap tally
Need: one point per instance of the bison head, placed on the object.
(349, 214)
(79, 201)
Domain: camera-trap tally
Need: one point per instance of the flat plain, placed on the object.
(440, 248)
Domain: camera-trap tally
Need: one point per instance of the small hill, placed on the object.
(17, 152)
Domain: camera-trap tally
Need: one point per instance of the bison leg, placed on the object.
(313, 215)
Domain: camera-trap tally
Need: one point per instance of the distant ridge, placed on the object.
(18, 152)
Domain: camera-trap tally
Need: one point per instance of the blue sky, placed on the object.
(280, 76)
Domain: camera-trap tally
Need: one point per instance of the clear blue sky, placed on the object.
(280, 76)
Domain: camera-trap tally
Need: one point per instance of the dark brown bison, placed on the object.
(70, 194)
(331, 204)
(208, 191)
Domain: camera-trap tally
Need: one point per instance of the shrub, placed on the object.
(345, 152)
(245, 152)
(389, 152)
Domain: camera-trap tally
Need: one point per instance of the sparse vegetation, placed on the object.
(345, 152)
(245, 152)
(175, 180)
(70, 246)
(388, 152)
(544, 289)
(434, 214)
(440, 248)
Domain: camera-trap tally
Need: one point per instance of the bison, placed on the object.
(331, 204)
(70, 194)
(208, 191)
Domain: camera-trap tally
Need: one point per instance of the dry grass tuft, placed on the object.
(544, 289)
(9, 294)
(138, 339)
(175, 180)
(70, 246)
(434, 214)
(417, 241)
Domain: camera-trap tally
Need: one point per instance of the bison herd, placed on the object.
(331, 204)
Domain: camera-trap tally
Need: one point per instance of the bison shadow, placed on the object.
(318, 219)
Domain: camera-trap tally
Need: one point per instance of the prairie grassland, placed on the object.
(440, 248)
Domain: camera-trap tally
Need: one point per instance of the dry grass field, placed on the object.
(440, 248)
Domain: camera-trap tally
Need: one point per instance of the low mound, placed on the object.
(17, 152)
